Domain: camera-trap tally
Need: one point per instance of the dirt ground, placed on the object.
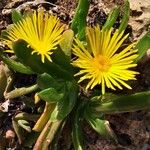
(133, 129)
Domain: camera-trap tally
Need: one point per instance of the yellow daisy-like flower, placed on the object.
(43, 32)
(101, 63)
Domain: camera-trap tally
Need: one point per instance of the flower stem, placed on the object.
(42, 136)
(50, 136)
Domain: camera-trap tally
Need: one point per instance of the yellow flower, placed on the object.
(43, 32)
(101, 62)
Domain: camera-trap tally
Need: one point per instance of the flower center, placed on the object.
(102, 63)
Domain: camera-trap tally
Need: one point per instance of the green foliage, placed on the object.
(111, 18)
(66, 104)
(45, 81)
(120, 104)
(25, 125)
(143, 45)
(66, 43)
(14, 65)
(23, 52)
(51, 95)
(102, 127)
(62, 60)
(54, 143)
(63, 93)
(16, 16)
(79, 21)
(97, 122)
(77, 134)
(124, 21)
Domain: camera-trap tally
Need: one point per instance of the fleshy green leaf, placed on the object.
(51, 95)
(66, 104)
(23, 52)
(24, 124)
(45, 81)
(52, 90)
(59, 58)
(16, 16)
(66, 43)
(14, 65)
(79, 21)
(96, 120)
(121, 104)
(26, 116)
(102, 127)
(111, 18)
(77, 134)
(143, 45)
(124, 21)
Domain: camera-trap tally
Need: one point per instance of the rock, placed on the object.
(140, 17)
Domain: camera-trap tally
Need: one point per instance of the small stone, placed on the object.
(10, 134)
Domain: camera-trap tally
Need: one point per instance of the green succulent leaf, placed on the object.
(23, 52)
(16, 16)
(59, 58)
(24, 124)
(79, 21)
(14, 65)
(77, 134)
(111, 18)
(143, 45)
(66, 43)
(66, 104)
(26, 116)
(45, 81)
(121, 104)
(96, 119)
(51, 95)
(124, 21)
(102, 127)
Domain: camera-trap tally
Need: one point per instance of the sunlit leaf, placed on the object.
(126, 14)
(111, 18)
(121, 104)
(51, 95)
(79, 21)
(25, 125)
(66, 43)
